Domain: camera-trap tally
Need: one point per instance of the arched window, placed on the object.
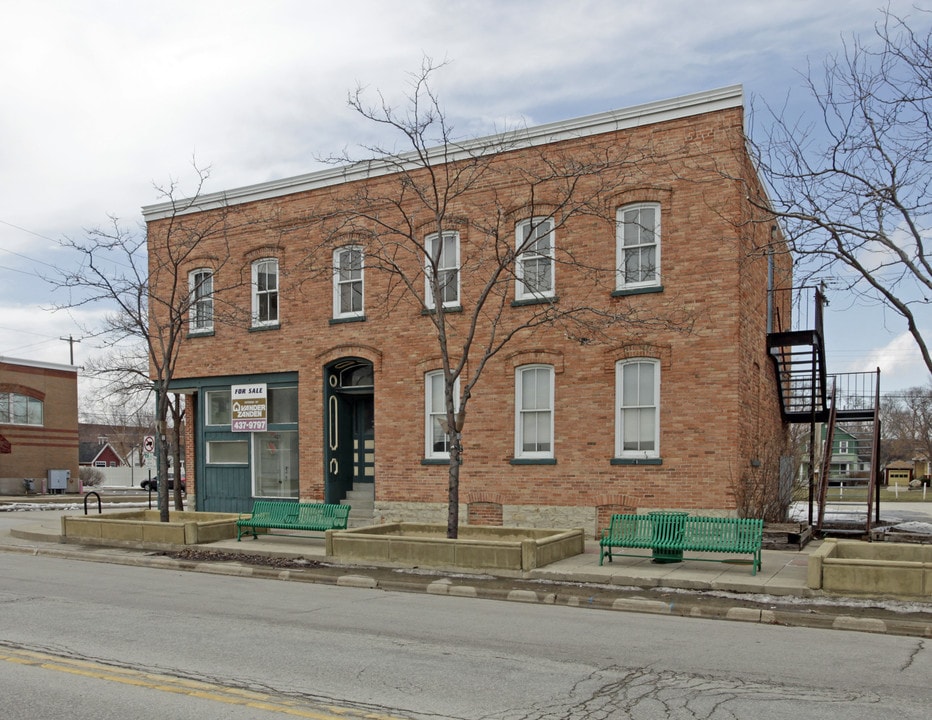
(201, 310)
(443, 262)
(265, 292)
(638, 246)
(534, 265)
(16, 409)
(437, 445)
(637, 399)
(348, 292)
(534, 411)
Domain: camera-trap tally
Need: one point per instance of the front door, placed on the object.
(350, 427)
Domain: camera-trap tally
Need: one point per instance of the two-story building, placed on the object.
(38, 426)
(618, 255)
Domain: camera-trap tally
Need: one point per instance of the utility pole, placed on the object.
(71, 341)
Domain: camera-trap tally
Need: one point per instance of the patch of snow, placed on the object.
(919, 528)
(27, 506)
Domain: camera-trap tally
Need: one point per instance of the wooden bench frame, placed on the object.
(669, 534)
(292, 515)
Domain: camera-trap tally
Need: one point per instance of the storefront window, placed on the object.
(275, 467)
(283, 405)
(218, 407)
(227, 452)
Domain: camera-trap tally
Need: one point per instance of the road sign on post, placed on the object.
(148, 443)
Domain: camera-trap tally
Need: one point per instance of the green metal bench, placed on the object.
(667, 535)
(291, 515)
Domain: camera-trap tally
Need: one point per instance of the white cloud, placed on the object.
(899, 361)
(109, 96)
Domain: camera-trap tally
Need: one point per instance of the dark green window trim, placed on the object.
(192, 335)
(449, 309)
(341, 321)
(546, 300)
(435, 461)
(637, 461)
(638, 291)
(533, 461)
(263, 328)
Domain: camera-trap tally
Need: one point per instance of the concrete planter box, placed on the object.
(142, 527)
(851, 567)
(477, 547)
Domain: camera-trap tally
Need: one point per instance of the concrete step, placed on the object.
(362, 501)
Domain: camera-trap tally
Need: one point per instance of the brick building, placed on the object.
(38, 423)
(631, 274)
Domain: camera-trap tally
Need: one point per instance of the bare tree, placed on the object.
(144, 280)
(410, 225)
(907, 424)
(852, 189)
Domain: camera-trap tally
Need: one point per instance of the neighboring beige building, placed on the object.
(38, 426)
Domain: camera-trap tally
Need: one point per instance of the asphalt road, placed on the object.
(90, 640)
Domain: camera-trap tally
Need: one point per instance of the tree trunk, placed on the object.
(177, 414)
(453, 501)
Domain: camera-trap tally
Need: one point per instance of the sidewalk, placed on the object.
(783, 572)
(778, 594)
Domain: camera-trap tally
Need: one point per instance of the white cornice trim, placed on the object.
(611, 121)
(38, 364)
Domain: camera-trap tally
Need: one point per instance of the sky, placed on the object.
(104, 101)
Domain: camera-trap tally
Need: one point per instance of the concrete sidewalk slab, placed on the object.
(630, 584)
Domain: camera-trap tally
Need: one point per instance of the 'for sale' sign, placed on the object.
(250, 408)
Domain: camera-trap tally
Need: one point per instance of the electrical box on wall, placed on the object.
(58, 481)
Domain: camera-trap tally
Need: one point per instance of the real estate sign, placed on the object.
(250, 408)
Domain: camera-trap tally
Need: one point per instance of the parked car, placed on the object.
(153, 485)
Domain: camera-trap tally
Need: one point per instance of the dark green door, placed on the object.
(349, 427)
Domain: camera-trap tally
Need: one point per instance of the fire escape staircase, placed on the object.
(845, 405)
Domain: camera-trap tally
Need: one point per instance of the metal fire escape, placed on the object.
(845, 406)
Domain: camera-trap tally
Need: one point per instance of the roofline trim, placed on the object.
(586, 126)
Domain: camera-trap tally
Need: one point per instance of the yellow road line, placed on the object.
(191, 688)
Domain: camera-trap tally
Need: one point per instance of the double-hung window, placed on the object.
(637, 426)
(442, 265)
(535, 261)
(201, 311)
(436, 433)
(638, 246)
(534, 412)
(265, 292)
(348, 282)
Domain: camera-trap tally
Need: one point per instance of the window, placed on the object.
(275, 469)
(100, 463)
(227, 452)
(201, 287)
(347, 282)
(638, 241)
(218, 407)
(16, 409)
(437, 439)
(283, 405)
(637, 391)
(443, 255)
(534, 266)
(265, 292)
(534, 416)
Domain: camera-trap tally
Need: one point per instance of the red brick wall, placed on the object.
(718, 400)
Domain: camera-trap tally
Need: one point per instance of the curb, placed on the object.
(545, 592)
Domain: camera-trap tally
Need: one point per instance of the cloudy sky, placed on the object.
(103, 100)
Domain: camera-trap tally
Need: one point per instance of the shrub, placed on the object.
(91, 476)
